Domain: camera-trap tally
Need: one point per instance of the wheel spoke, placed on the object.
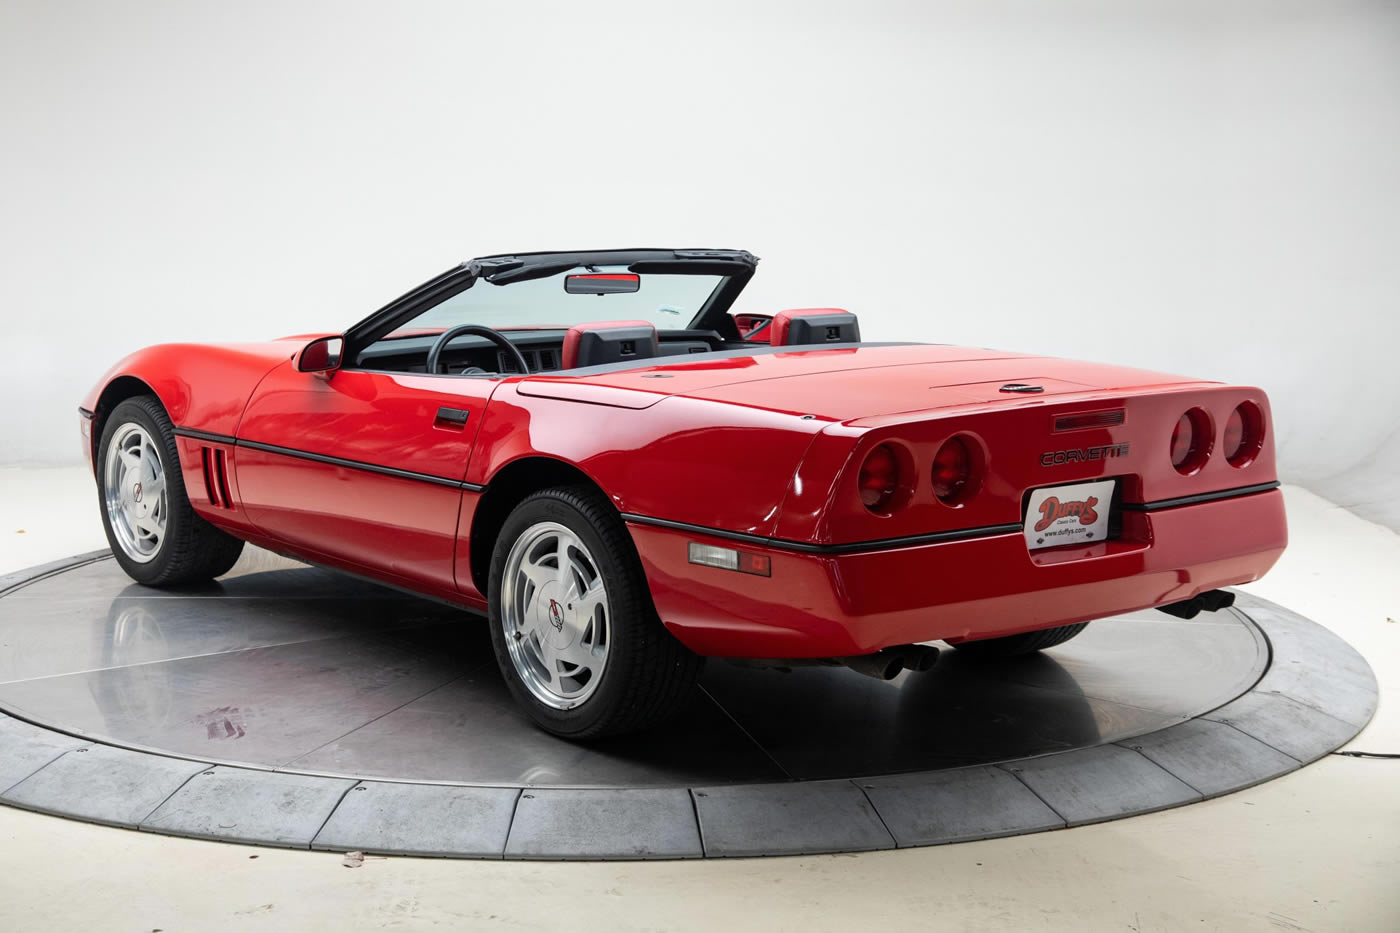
(586, 603)
(548, 656)
(562, 556)
(537, 574)
(577, 655)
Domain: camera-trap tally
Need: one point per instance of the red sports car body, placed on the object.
(808, 496)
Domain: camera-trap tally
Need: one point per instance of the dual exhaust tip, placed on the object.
(888, 663)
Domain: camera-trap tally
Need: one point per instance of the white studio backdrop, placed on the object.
(1209, 188)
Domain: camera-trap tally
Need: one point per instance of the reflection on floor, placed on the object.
(283, 665)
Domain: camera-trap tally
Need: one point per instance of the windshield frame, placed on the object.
(734, 267)
(667, 301)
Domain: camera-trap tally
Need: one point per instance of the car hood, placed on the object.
(854, 383)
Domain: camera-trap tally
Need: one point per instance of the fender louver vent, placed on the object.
(216, 477)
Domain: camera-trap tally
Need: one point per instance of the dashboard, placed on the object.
(542, 349)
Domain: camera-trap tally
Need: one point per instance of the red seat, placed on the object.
(600, 342)
(809, 326)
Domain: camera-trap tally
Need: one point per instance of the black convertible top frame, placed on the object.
(735, 266)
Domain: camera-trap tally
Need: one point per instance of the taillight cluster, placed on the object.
(952, 471)
(1193, 438)
(888, 472)
(1244, 435)
(879, 478)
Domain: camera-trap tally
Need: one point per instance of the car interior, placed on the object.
(597, 343)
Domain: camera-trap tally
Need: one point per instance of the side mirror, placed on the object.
(321, 355)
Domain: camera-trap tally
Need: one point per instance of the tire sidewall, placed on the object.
(178, 512)
(628, 612)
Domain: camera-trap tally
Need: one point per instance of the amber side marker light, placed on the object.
(728, 558)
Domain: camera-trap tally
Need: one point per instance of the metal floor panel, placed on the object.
(279, 667)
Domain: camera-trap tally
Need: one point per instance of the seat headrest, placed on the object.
(608, 342)
(807, 326)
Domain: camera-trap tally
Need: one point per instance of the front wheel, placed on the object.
(572, 623)
(1023, 643)
(155, 534)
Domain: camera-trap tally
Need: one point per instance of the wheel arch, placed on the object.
(507, 488)
(113, 394)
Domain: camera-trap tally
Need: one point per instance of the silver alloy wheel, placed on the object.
(554, 609)
(133, 487)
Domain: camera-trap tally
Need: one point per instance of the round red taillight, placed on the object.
(879, 478)
(1244, 435)
(952, 470)
(1190, 441)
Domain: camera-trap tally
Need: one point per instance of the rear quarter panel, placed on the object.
(688, 460)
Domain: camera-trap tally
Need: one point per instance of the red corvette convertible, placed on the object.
(626, 477)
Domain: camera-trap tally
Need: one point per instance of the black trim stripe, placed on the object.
(1200, 497)
(84, 412)
(206, 436)
(961, 534)
(327, 459)
(853, 547)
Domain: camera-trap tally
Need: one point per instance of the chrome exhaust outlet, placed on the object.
(1209, 601)
(882, 665)
(887, 663)
(919, 658)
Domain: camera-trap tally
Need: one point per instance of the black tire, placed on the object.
(1009, 646)
(649, 675)
(192, 550)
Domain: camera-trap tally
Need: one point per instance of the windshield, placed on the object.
(670, 302)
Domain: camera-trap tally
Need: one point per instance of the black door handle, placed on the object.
(451, 418)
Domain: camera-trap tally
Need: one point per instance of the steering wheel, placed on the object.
(495, 336)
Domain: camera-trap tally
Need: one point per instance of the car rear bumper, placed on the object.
(832, 605)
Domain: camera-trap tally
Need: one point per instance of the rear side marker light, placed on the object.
(728, 558)
(1190, 442)
(1092, 419)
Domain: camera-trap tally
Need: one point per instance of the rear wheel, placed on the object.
(155, 534)
(1024, 643)
(572, 623)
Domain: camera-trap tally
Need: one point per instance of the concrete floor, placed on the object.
(1317, 850)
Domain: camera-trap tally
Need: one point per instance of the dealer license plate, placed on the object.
(1078, 514)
